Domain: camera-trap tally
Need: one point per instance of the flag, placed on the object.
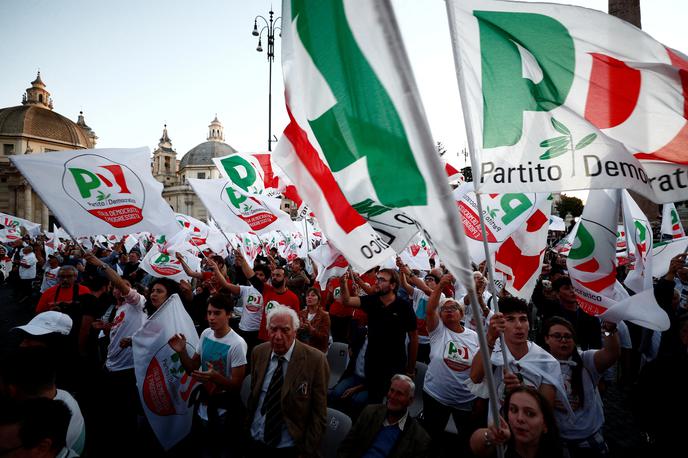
(358, 144)
(639, 231)
(198, 231)
(249, 245)
(164, 386)
(244, 171)
(503, 214)
(235, 210)
(563, 246)
(520, 256)
(671, 223)
(10, 221)
(100, 191)
(330, 262)
(664, 252)
(592, 269)
(10, 234)
(558, 98)
(556, 223)
(161, 261)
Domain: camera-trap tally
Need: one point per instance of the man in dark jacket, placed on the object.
(388, 430)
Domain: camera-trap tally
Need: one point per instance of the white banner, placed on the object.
(557, 97)
(163, 384)
(10, 221)
(236, 211)
(100, 191)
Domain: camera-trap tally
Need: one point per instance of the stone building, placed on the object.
(196, 163)
(34, 127)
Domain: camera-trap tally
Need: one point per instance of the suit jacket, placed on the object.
(414, 442)
(304, 394)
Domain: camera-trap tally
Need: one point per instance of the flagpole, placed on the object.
(490, 271)
(476, 179)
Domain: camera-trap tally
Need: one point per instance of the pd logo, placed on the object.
(166, 265)
(167, 387)
(199, 235)
(249, 209)
(108, 190)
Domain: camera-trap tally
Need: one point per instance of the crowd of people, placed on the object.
(68, 382)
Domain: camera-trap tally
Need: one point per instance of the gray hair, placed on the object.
(280, 310)
(69, 268)
(408, 380)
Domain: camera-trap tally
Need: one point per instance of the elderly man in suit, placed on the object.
(287, 407)
(388, 429)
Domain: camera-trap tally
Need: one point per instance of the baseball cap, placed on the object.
(47, 322)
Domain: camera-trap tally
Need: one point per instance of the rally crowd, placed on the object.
(269, 337)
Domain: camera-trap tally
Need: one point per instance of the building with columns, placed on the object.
(34, 127)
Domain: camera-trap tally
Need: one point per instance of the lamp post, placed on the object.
(271, 26)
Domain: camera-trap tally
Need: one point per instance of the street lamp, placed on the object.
(271, 26)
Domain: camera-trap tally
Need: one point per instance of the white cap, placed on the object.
(47, 322)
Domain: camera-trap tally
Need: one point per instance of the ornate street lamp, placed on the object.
(271, 26)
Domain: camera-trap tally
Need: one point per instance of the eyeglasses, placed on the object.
(561, 337)
(381, 279)
(449, 308)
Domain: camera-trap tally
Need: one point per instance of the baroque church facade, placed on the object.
(196, 163)
(34, 127)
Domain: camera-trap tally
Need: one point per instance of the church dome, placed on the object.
(36, 121)
(204, 153)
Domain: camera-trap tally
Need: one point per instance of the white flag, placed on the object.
(100, 191)
(503, 215)
(163, 262)
(164, 386)
(558, 97)
(10, 221)
(639, 231)
(237, 211)
(330, 262)
(671, 223)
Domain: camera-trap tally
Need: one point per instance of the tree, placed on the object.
(569, 204)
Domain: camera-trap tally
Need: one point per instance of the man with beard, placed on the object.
(390, 320)
(276, 293)
(388, 430)
(66, 292)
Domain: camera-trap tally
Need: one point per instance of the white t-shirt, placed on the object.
(252, 311)
(224, 353)
(76, 433)
(129, 317)
(451, 356)
(588, 418)
(49, 278)
(28, 273)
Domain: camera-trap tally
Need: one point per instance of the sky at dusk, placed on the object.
(132, 65)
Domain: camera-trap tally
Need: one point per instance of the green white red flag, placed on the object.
(358, 146)
(592, 268)
(100, 191)
(672, 228)
(558, 97)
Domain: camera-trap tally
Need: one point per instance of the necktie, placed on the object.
(272, 407)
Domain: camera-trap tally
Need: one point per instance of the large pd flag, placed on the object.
(100, 191)
(163, 384)
(561, 98)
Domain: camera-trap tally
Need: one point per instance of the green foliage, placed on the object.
(569, 204)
